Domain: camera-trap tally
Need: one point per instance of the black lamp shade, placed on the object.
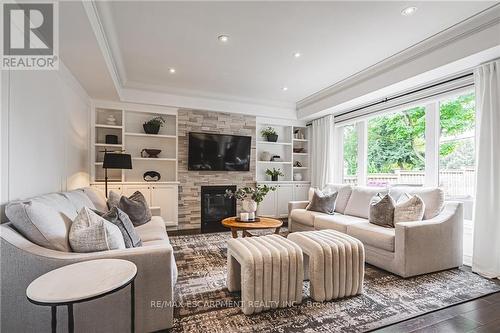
(117, 161)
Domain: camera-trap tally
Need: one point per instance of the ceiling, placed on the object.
(335, 39)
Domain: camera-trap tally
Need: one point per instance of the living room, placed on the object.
(273, 166)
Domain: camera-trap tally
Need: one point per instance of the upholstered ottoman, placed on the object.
(336, 263)
(269, 271)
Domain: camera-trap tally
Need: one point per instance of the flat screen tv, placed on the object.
(218, 152)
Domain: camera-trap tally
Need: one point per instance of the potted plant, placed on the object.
(270, 134)
(250, 197)
(274, 174)
(153, 126)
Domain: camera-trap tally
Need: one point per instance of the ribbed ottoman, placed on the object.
(269, 271)
(336, 263)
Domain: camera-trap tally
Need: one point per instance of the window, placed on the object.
(456, 146)
(350, 155)
(396, 148)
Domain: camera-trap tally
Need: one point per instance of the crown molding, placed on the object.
(440, 41)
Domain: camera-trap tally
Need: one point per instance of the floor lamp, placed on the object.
(115, 161)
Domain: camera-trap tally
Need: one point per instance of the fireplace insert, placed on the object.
(215, 207)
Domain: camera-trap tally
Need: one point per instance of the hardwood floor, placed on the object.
(481, 315)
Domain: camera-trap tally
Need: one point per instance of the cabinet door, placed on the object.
(115, 188)
(128, 190)
(284, 196)
(268, 206)
(301, 192)
(165, 197)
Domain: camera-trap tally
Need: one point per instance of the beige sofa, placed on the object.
(411, 248)
(22, 261)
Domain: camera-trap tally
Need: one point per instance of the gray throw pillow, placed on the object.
(323, 202)
(116, 216)
(382, 211)
(91, 233)
(409, 208)
(134, 206)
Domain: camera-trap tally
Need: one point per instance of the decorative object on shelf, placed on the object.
(150, 153)
(111, 120)
(276, 158)
(269, 133)
(114, 160)
(151, 176)
(250, 198)
(274, 174)
(299, 150)
(153, 126)
(297, 164)
(111, 139)
(297, 176)
(265, 156)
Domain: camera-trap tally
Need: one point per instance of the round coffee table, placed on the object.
(82, 282)
(264, 223)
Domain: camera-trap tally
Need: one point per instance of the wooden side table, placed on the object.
(83, 282)
(264, 223)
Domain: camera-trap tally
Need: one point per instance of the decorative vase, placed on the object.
(297, 177)
(249, 205)
(272, 138)
(151, 128)
(274, 178)
(265, 156)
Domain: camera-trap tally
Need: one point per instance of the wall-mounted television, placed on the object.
(218, 152)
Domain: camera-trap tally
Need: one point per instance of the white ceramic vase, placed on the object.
(248, 205)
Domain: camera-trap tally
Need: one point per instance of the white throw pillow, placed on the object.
(91, 233)
(409, 208)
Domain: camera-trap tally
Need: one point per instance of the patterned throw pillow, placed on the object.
(323, 202)
(91, 233)
(409, 208)
(118, 217)
(382, 211)
(134, 206)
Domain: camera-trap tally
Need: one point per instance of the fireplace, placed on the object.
(215, 207)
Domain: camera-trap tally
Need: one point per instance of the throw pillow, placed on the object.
(323, 202)
(134, 206)
(409, 208)
(90, 233)
(122, 221)
(382, 211)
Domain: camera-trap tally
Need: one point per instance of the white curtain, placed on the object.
(322, 152)
(486, 254)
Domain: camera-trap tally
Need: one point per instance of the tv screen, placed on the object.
(218, 152)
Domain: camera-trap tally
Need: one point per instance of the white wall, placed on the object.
(44, 133)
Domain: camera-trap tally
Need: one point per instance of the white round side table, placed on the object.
(82, 282)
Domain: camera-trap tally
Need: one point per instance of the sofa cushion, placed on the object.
(135, 206)
(433, 198)
(97, 197)
(323, 202)
(79, 199)
(58, 202)
(409, 208)
(337, 222)
(382, 211)
(343, 196)
(373, 235)
(305, 217)
(116, 216)
(40, 223)
(359, 201)
(153, 230)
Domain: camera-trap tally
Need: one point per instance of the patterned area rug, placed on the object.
(205, 304)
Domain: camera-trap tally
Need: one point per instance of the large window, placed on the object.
(396, 148)
(350, 155)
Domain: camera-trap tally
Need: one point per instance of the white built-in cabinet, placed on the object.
(275, 204)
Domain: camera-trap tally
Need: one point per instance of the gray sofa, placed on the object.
(22, 261)
(409, 249)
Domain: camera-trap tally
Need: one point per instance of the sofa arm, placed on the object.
(431, 245)
(296, 205)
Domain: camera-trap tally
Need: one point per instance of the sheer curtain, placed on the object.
(486, 254)
(322, 152)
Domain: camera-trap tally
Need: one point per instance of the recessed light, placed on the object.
(408, 11)
(171, 70)
(223, 38)
(297, 55)
(284, 88)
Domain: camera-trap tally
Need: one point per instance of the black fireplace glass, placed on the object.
(216, 206)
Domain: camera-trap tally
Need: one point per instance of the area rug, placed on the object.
(205, 305)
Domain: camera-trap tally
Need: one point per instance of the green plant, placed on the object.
(274, 172)
(268, 131)
(257, 194)
(156, 121)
